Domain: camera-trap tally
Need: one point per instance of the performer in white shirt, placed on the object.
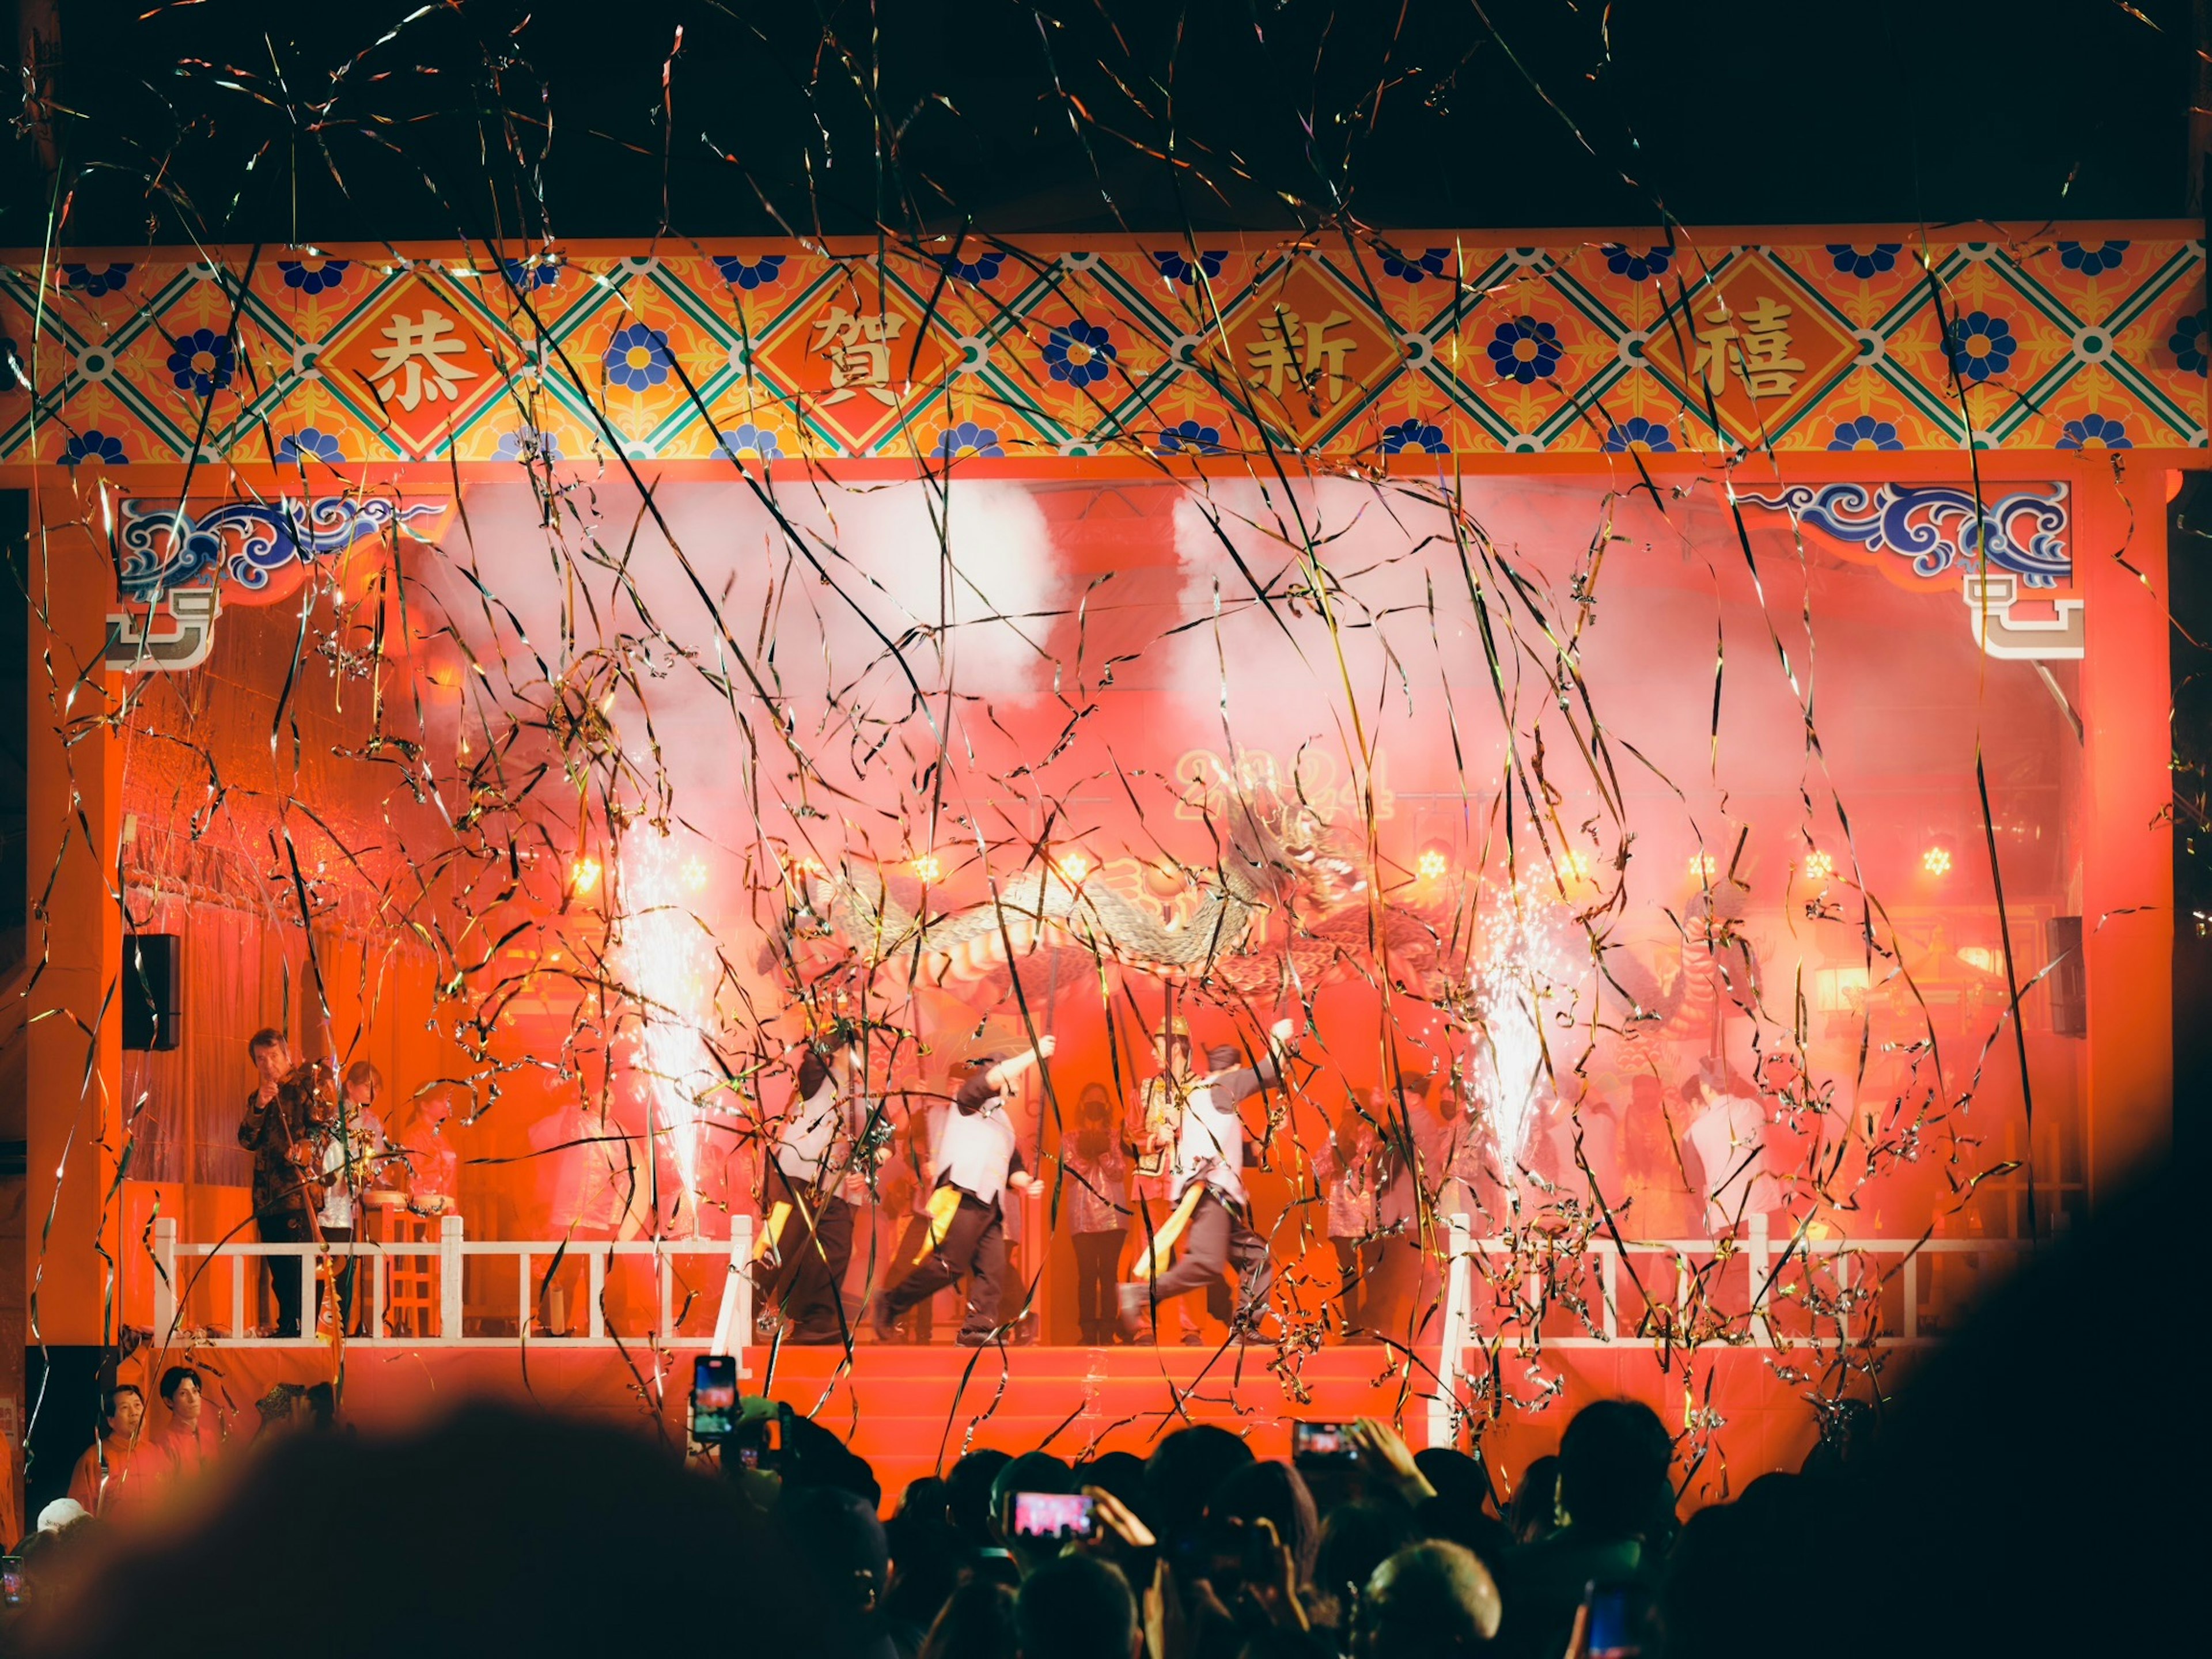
(977, 1159)
(806, 1224)
(355, 1149)
(1211, 1212)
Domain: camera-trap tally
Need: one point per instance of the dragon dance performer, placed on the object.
(806, 1232)
(1212, 1210)
(965, 1235)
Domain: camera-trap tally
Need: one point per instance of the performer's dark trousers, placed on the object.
(285, 1227)
(974, 1246)
(1097, 1256)
(812, 1254)
(1356, 1261)
(1390, 1292)
(1219, 1237)
(338, 1236)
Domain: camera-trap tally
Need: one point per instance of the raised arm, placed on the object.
(1002, 1075)
(1230, 1087)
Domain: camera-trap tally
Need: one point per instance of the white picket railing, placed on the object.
(179, 1267)
(1681, 1261)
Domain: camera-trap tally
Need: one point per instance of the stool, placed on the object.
(410, 1282)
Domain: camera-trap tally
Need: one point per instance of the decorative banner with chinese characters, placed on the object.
(1356, 350)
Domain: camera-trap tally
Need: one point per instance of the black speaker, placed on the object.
(150, 991)
(2069, 980)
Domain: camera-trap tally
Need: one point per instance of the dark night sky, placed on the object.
(1405, 113)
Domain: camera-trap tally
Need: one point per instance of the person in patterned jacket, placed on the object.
(1095, 1198)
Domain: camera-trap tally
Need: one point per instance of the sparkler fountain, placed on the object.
(666, 959)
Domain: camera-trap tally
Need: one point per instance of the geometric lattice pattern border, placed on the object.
(1354, 351)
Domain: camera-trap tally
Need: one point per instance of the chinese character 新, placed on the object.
(859, 349)
(1758, 341)
(417, 359)
(1303, 348)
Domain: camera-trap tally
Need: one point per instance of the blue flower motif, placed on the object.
(1177, 269)
(1190, 437)
(1415, 433)
(749, 442)
(1525, 350)
(2192, 343)
(525, 444)
(1637, 432)
(1636, 267)
(2092, 260)
(980, 269)
(750, 274)
(1079, 353)
(1979, 345)
(1416, 269)
(637, 358)
(108, 279)
(1865, 433)
(1865, 261)
(2096, 431)
(959, 443)
(91, 445)
(309, 445)
(528, 274)
(315, 278)
(201, 362)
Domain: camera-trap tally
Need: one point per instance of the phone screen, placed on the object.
(1322, 1443)
(1052, 1514)
(1612, 1633)
(714, 1396)
(11, 1580)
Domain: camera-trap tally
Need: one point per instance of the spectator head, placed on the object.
(976, 1622)
(1031, 1472)
(1534, 1513)
(363, 1083)
(1429, 1600)
(813, 1456)
(1277, 1493)
(1613, 1460)
(181, 1389)
(835, 1534)
(62, 1514)
(968, 1495)
(1181, 1474)
(1460, 1480)
(1119, 1472)
(1846, 1442)
(519, 1496)
(123, 1412)
(1356, 1539)
(1076, 1606)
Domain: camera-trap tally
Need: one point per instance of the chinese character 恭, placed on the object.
(1769, 370)
(859, 349)
(417, 348)
(1303, 348)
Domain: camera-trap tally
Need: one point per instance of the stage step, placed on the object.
(914, 1410)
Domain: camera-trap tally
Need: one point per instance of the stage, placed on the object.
(1677, 899)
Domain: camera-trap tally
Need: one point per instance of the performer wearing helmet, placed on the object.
(1211, 1211)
